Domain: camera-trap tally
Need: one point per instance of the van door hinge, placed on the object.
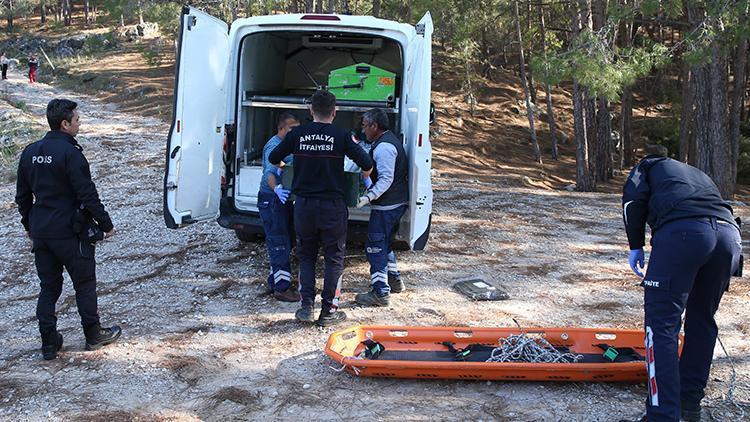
(191, 22)
(171, 185)
(420, 28)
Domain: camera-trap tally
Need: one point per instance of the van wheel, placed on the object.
(244, 236)
(400, 245)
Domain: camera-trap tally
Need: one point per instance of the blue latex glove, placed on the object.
(368, 183)
(282, 193)
(636, 260)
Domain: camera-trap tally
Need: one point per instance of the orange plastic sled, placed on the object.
(421, 352)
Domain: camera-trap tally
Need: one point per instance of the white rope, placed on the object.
(521, 348)
(732, 384)
(356, 370)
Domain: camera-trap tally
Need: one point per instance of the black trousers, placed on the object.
(689, 270)
(321, 222)
(5, 70)
(77, 257)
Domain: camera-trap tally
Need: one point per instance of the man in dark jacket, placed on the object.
(62, 214)
(320, 213)
(695, 250)
(387, 196)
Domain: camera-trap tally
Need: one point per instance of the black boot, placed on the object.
(97, 337)
(52, 342)
(396, 284)
(330, 317)
(690, 412)
(371, 298)
(306, 313)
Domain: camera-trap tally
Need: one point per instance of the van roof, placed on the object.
(327, 20)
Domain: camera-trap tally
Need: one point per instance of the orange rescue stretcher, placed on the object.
(440, 353)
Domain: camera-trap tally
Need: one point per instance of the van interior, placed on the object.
(280, 70)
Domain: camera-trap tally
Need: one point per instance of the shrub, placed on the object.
(152, 53)
(167, 15)
(20, 104)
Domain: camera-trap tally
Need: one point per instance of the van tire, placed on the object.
(400, 245)
(244, 236)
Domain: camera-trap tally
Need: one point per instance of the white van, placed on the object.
(230, 86)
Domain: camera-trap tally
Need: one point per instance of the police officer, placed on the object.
(387, 196)
(695, 250)
(54, 193)
(276, 215)
(320, 213)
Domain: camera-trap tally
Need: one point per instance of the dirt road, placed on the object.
(201, 342)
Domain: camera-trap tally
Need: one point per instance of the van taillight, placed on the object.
(320, 18)
(419, 143)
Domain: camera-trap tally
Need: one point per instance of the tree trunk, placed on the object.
(309, 6)
(626, 105)
(583, 181)
(687, 112)
(532, 84)
(626, 131)
(703, 155)
(547, 89)
(43, 12)
(604, 144)
(738, 95)
(319, 6)
(589, 105)
(346, 8)
(10, 15)
(86, 20)
(331, 6)
(66, 12)
(529, 109)
(376, 8)
(722, 150)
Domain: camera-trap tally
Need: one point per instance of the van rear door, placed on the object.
(419, 80)
(194, 147)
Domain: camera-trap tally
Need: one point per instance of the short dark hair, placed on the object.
(377, 116)
(323, 103)
(283, 117)
(656, 149)
(59, 110)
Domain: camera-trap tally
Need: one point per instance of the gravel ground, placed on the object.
(200, 341)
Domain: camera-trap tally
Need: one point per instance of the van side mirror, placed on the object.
(432, 113)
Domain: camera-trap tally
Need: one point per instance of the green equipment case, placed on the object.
(362, 82)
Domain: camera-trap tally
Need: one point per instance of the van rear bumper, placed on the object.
(249, 221)
(230, 218)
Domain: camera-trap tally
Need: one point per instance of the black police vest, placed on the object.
(398, 193)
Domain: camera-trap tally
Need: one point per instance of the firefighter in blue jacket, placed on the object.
(57, 201)
(387, 195)
(695, 249)
(320, 212)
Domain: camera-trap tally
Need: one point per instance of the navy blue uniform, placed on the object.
(389, 196)
(54, 181)
(320, 213)
(277, 221)
(695, 249)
